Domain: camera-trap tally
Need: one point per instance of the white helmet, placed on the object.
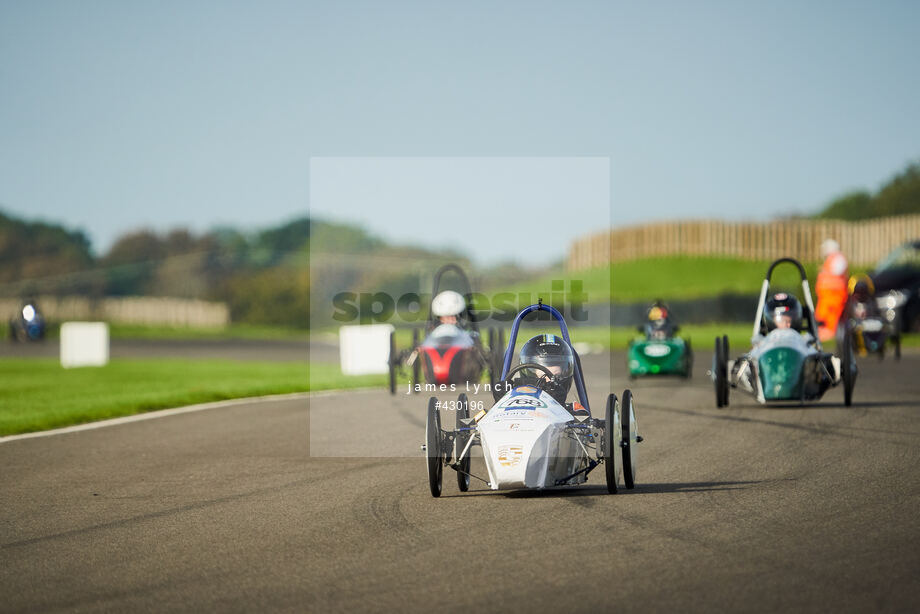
(829, 247)
(447, 303)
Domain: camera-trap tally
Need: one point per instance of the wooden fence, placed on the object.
(864, 242)
(126, 310)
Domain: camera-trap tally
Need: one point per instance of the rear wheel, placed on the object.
(718, 372)
(724, 370)
(497, 351)
(392, 361)
(417, 363)
(630, 439)
(848, 370)
(612, 443)
(463, 436)
(689, 360)
(433, 447)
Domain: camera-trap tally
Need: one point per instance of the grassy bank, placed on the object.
(668, 278)
(38, 394)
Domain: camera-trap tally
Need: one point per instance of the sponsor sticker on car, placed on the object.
(524, 390)
(510, 456)
(657, 350)
(523, 425)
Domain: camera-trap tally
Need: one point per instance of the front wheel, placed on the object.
(433, 447)
(500, 350)
(392, 362)
(630, 439)
(417, 363)
(612, 443)
(463, 437)
(848, 370)
(720, 371)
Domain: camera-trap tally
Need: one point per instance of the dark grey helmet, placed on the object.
(552, 352)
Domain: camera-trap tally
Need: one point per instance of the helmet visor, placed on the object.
(561, 365)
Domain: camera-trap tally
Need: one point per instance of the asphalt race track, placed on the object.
(748, 509)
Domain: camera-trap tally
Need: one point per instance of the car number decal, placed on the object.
(657, 350)
(522, 402)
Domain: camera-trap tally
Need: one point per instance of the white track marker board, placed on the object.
(84, 344)
(365, 349)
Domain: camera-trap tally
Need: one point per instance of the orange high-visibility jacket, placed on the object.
(831, 289)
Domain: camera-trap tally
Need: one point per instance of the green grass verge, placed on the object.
(234, 331)
(667, 278)
(39, 394)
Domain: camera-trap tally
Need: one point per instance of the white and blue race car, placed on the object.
(529, 439)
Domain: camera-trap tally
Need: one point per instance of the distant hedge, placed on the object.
(899, 196)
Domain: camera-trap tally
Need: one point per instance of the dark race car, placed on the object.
(868, 328)
(452, 351)
(29, 324)
(897, 287)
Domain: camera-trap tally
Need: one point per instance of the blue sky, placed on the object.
(116, 114)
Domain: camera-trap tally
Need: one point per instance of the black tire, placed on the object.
(717, 372)
(630, 439)
(897, 347)
(393, 360)
(417, 364)
(724, 370)
(689, 372)
(463, 412)
(611, 442)
(498, 356)
(433, 447)
(847, 370)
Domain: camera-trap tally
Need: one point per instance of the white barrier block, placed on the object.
(365, 349)
(84, 344)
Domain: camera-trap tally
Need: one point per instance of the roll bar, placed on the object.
(806, 290)
(512, 340)
(467, 293)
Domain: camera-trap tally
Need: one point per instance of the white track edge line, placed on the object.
(175, 411)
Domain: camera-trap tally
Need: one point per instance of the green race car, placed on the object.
(660, 351)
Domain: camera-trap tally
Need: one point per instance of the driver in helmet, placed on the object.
(861, 302)
(783, 311)
(553, 353)
(658, 327)
(859, 307)
(447, 307)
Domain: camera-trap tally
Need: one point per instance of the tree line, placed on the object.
(900, 195)
(264, 276)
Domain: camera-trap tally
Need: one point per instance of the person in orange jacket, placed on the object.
(831, 289)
